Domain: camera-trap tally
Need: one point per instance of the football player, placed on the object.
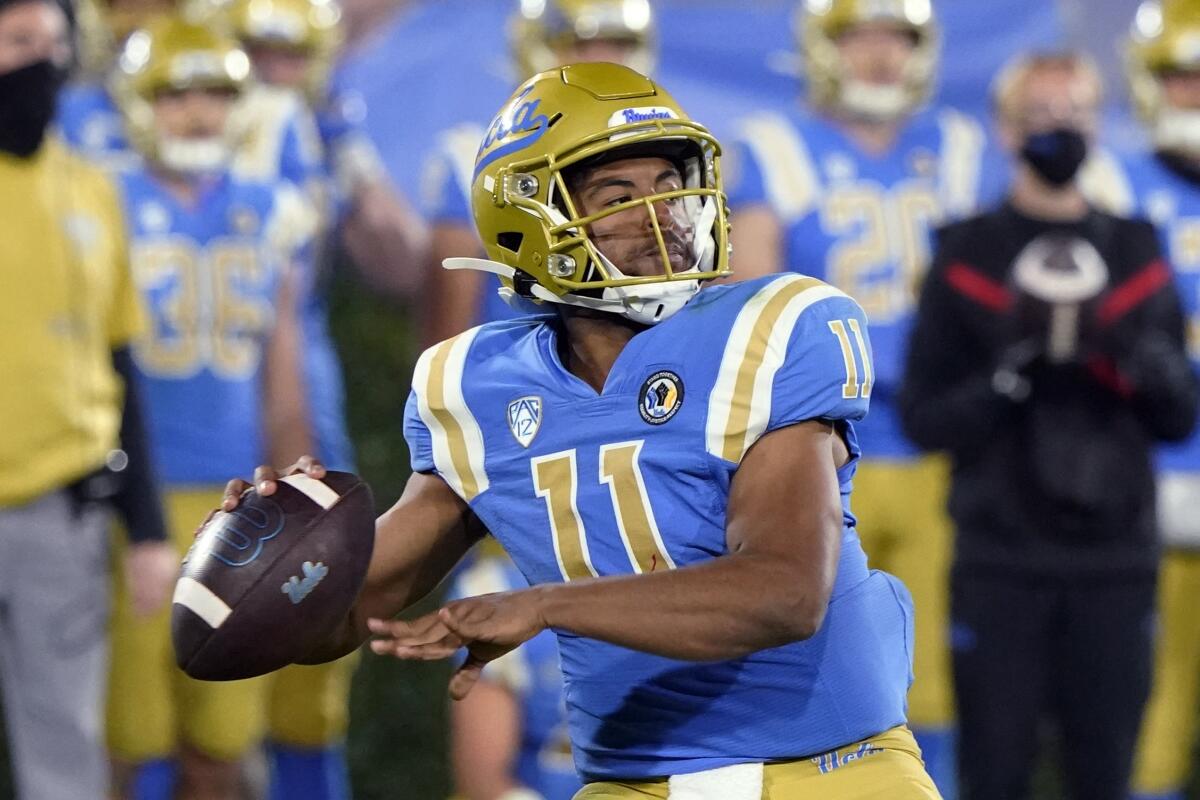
(848, 188)
(1164, 68)
(670, 468)
(542, 34)
(292, 45)
(508, 737)
(87, 114)
(90, 120)
(221, 375)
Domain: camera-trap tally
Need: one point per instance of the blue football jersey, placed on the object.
(446, 189)
(533, 675)
(210, 276)
(91, 123)
(1171, 201)
(576, 483)
(286, 143)
(862, 222)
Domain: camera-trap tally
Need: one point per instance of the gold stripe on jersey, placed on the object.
(458, 451)
(739, 407)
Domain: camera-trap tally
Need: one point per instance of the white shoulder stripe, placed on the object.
(198, 598)
(789, 176)
(961, 162)
(1105, 182)
(739, 407)
(458, 448)
(317, 491)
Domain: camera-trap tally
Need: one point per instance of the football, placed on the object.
(264, 584)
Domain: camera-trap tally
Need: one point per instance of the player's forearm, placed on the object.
(722, 609)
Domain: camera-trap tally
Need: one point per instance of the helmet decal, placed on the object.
(519, 120)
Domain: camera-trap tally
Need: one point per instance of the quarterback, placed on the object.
(668, 467)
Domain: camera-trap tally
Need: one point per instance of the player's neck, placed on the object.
(593, 341)
(1039, 200)
(184, 188)
(874, 137)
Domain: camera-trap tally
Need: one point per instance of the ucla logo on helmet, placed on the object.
(518, 126)
(525, 418)
(660, 397)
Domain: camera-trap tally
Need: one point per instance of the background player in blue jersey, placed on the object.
(847, 189)
(509, 734)
(220, 370)
(669, 468)
(541, 35)
(291, 44)
(1164, 185)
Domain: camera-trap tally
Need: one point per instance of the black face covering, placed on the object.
(27, 103)
(1055, 155)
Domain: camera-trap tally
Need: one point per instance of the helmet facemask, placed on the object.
(694, 231)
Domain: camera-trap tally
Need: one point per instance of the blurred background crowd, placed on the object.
(237, 211)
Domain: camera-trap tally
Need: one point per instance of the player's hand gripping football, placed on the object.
(488, 626)
(264, 481)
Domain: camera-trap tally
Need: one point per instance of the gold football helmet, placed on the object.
(311, 27)
(540, 29)
(819, 23)
(173, 54)
(537, 240)
(102, 29)
(1165, 38)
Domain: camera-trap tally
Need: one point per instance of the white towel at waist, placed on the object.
(734, 782)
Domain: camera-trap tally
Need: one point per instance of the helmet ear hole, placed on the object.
(510, 241)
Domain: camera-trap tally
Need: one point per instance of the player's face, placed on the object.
(32, 32)
(275, 65)
(1050, 98)
(627, 237)
(1182, 89)
(876, 52)
(583, 51)
(193, 113)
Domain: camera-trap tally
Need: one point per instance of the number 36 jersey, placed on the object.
(209, 275)
(636, 478)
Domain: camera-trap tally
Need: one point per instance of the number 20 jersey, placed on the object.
(209, 275)
(636, 478)
(862, 221)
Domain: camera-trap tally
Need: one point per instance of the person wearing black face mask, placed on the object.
(1047, 358)
(74, 443)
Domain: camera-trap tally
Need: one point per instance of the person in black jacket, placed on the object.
(1047, 358)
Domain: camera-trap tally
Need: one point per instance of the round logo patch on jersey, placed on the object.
(661, 397)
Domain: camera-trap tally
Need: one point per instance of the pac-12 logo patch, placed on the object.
(661, 397)
(525, 418)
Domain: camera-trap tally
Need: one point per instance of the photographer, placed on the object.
(1047, 358)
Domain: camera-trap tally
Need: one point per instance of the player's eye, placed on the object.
(616, 200)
